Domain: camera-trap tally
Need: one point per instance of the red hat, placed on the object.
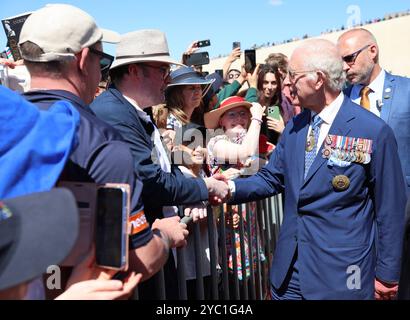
(211, 118)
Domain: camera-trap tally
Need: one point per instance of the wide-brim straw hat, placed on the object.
(143, 46)
(211, 118)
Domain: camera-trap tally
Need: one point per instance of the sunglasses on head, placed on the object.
(351, 58)
(106, 61)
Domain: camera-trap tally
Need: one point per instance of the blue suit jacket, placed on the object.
(331, 229)
(160, 188)
(395, 112)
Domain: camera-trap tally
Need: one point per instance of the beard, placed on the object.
(362, 77)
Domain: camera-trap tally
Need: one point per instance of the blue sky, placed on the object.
(221, 21)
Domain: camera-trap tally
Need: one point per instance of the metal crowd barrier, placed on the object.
(225, 283)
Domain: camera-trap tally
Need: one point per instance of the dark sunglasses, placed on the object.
(351, 58)
(106, 61)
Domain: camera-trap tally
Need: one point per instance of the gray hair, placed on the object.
(322, 55)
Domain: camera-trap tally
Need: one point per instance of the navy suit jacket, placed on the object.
(159, 187)
(334, 231)
(395, 111)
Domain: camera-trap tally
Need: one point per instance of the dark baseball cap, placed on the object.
(36, 231)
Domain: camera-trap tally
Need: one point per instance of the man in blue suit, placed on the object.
(384, 94)
(140, 75)
(339, 169)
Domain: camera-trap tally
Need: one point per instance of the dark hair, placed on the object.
(277, 97)
(117, 74)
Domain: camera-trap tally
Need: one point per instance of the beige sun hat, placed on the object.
(211, 118)
(143, 46)
(61, 31)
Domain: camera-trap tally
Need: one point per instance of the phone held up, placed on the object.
(203, 43)
(236, 44)
(111, 230)
(274, 112)
(197, 59)
(250, 61)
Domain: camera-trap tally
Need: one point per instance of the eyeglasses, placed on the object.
(292, 74)
(165, 70)
(105, 61)
(351, 58)
(233, 75)
(234, 114)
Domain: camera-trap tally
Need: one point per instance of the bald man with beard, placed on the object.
(384, 94)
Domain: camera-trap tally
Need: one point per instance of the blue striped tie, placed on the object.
(313, 139)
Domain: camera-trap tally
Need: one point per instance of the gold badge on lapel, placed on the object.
(341, 183)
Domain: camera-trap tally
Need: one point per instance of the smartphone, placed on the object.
(274, 112)
(203, 43)
(236, 44)
(197, 59)
(250, 61)
(111, 228)
(86, 196)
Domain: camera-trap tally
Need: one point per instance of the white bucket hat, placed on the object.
(143, 46)
(61, 31)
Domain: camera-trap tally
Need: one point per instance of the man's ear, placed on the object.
(374, 51)
(320, 80)
(133, 70)
(83, 60)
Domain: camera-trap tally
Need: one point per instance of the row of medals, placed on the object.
(347, 149)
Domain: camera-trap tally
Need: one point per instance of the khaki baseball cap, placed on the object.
(61, 31)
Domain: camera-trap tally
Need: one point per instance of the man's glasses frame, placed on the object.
(106, 60)
(350, 59)
(292, 74)
(165, 70)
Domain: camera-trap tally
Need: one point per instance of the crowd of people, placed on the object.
(327, 127)
(389, 16)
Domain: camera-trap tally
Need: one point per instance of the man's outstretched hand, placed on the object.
(218, 189)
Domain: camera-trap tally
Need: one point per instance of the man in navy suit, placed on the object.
(386, 95)
(339, 169)
(140, 75)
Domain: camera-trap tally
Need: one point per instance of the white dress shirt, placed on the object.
(328, 115)
(375, 96)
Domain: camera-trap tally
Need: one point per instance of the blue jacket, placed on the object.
(334, 230)
(159, 187)
(395, 112)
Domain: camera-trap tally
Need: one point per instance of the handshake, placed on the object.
(218, 189)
